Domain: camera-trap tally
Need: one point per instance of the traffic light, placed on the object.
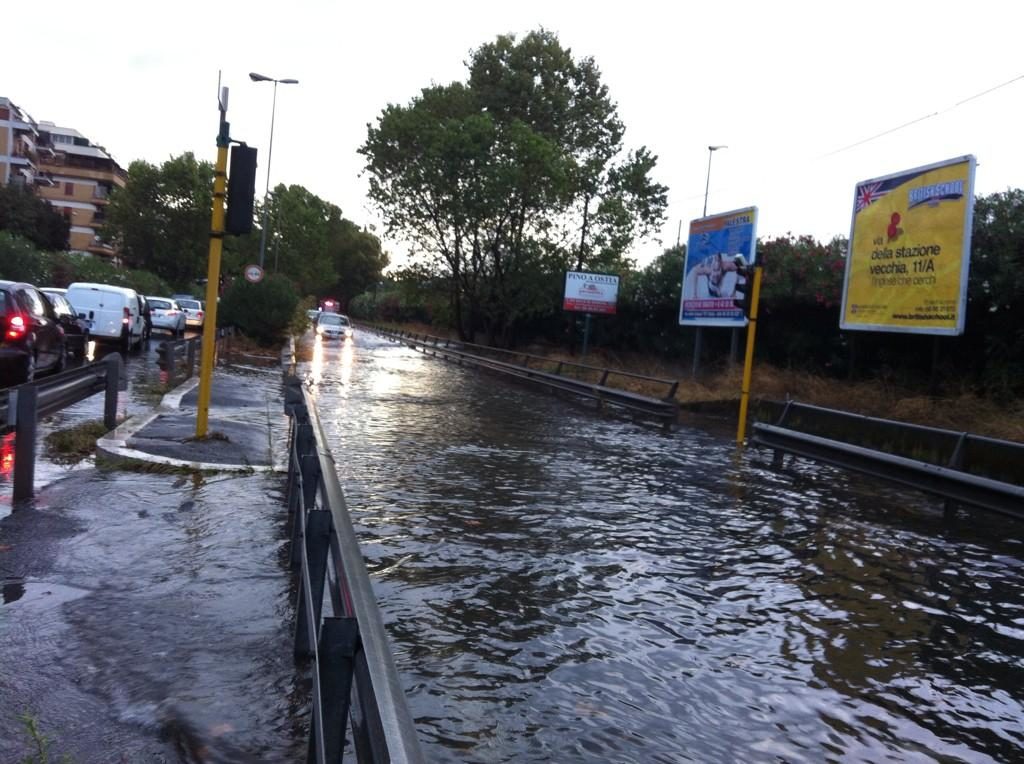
(241, 190)
(743, 297)
(744, 300)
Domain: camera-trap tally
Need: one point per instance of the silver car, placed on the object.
(166, 314)
(333, 326)
(193, 313)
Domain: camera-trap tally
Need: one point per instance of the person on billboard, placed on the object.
(712, 278)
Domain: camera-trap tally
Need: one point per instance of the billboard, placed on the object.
(910, 246)
(590, 292)
(710, 280)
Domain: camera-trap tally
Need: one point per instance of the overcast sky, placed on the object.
(787, 86)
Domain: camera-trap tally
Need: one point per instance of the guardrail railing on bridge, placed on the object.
(951, 480)
(587, 381)
(21, 407)
(355, 684)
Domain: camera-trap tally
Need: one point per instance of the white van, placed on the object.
(112, 311)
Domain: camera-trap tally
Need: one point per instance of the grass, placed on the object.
(40, 742)
(153, 392)
(76, 443)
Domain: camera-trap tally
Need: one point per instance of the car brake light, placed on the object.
(199, 314)
(127, 317)
(16, 328)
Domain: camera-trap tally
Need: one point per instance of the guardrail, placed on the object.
(179, 356)
(21, 407)
(951, 481)
(355, 685)
(600, 391)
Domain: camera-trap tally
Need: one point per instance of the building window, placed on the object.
(69, 189)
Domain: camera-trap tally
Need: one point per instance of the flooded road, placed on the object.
(564, 587)
(558, 586)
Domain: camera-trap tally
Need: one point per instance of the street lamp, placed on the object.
(270, 152)
(707, 183)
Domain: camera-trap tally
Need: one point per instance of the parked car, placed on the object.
(193, 312)
(113, 312)
(166, 314)
(32, 339)
(76, 330)
(333, 326)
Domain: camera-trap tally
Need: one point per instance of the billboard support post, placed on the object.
(698, 341)
(586, 334)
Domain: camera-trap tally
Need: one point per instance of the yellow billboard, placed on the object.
(910, 244)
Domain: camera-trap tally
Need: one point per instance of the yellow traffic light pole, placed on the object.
(213, 271)
(748, 363)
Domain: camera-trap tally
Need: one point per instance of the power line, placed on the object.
(921, 119)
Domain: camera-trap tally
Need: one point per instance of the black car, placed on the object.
(76, 330)
(33, 339)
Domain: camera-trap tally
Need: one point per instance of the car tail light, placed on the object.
(127, 317)
(17, 327)
(199, 314)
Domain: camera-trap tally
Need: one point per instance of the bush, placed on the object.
(264, 311)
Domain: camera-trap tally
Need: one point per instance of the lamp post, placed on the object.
(707, 183)
(270, 153)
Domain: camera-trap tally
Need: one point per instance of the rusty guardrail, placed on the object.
(951, 481)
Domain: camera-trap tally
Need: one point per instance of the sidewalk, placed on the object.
(146, 615)
(246, 427)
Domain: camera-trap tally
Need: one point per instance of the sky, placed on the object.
(808, 97)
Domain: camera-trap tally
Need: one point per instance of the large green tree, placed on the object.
(505, 181)
(24, 214)
(161, 218)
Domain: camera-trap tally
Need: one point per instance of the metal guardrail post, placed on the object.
(25, 443)
(190, 359)
(114, 364)
(317, 545)
(339, 641)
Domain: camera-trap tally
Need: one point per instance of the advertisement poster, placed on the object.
(710, 280)
(590, 292)
(910, 245)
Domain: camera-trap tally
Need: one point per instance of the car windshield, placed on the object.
(331, 318)
(190, 304)
(159, 304)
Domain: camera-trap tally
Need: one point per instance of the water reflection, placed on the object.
(562, 587)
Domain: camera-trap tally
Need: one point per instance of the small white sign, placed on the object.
(253, 274)
(590, 292)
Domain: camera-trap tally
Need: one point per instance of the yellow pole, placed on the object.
(213, 277)
(748, 363)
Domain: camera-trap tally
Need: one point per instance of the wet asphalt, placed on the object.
(146, 605)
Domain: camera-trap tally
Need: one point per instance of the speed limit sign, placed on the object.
(253, 274)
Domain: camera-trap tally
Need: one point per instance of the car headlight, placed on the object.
(319, 330)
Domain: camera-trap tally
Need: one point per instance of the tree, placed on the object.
(161, 218)
(505, 181)
(22, 213)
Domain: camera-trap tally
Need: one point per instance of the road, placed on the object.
(558, 586)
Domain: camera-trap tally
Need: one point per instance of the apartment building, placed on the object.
(79, 177)
(19, 139)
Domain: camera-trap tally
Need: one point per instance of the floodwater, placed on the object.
(558, 586)
(565, 587)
